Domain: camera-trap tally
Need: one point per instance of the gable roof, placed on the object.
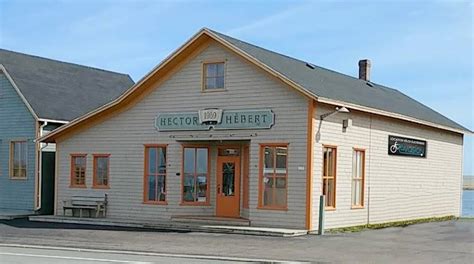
(335, 86)
(59, 90)
(321, 84)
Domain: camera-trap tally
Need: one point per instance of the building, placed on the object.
(228, 129)
(38, 95)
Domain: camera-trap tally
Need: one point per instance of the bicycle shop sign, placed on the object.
(217, 119)
(402, 146)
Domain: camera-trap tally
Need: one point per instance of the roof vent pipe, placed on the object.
(364, 69)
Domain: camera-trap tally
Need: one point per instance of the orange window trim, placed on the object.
(245, 187)
(260, 177)
(145, 179)
(208, 191)
(94, 173)
(362, 193)
(73, 175)
(309, 164)
(334, 148)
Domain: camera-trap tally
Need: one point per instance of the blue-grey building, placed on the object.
(38, 95)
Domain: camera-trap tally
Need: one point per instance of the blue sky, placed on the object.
(423, 48)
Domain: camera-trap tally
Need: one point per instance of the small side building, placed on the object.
(223, 128)
(38, 95)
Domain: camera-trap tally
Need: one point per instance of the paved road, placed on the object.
(439, 242)
(63, 256)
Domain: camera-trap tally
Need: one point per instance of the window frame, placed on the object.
(204, 76)
(72, 174)
(261, 162)
(208, 191)
(94, 171)
(334, 148)
(12, 159)
(362, 179)
(145, 174)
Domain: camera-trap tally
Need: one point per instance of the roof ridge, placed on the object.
(302, 61)
(65, 62)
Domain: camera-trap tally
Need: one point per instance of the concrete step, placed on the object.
(210, 220)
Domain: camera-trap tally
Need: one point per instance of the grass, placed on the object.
(390, 224)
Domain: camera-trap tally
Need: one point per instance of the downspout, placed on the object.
(40, 161)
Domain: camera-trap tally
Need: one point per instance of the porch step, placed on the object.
(211, 220)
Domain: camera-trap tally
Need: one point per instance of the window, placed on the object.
(273, 180)
(195, 175)
(18, 159)
(213, 76)
(329, 176)
(78, 170)
(358, 177)
(101, 171)
(155, 174)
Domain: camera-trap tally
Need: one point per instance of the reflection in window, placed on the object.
(195, 175)
(18, 160)
(155, 175)
(78, 170)
(228, 179)
(358, 173)
(214, 76)
(275, 174)
(329, 176)
(101, 171)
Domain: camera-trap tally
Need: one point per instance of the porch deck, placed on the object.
(189, 224)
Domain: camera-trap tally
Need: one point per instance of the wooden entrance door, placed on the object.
(228, 186)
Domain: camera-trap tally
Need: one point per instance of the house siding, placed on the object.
(17, 123)
(124, 135)
(396, 187)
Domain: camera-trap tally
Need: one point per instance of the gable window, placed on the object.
(329, 176)
(101, 171)
(78, 170)
(155, 174)
(195, 175)
(358, 178)
(273, 177)
(18, 157)
(213, 76)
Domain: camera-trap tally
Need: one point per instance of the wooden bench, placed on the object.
(89, 203)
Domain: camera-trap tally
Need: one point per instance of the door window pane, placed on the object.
(228, 179)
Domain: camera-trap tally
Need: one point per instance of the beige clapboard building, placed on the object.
(223, 128)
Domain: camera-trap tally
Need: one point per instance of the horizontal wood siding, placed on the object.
(16, 123)
(123, 137)
(397, 188)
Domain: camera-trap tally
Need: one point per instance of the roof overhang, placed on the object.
(199, 39)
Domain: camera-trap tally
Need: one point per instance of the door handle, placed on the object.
(218, 189)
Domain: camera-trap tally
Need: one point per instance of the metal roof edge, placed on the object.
(23, 98)
(392, 114)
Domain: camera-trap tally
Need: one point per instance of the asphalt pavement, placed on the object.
(437, 242)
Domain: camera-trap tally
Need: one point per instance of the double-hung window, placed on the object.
(155, 174)
(195, 175)
(213, 76)
(358, 178)
(274, 174)
(18, 157)
(329, 176)
(101, 171)
(78, 170)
